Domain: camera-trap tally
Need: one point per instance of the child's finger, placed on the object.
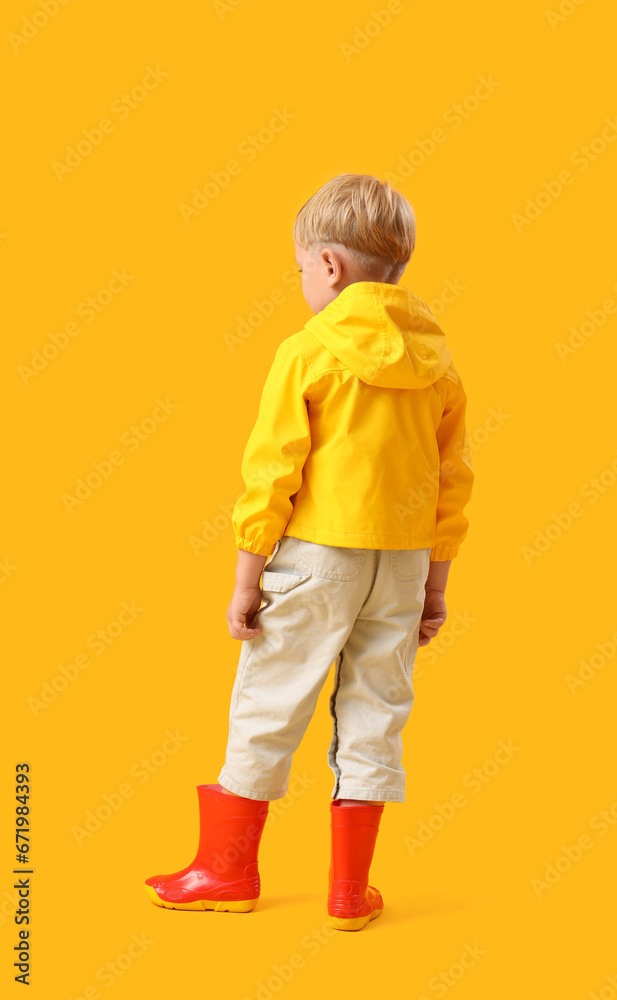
(431, 626)
(433, 622)
(245, 634)
(238, 629)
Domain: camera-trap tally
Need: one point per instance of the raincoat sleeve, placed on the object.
(455, 475)
(275, 454)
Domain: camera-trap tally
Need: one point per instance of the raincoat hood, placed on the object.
(384, 334)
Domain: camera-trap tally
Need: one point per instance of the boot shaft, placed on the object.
(354, 832)
(230, 829)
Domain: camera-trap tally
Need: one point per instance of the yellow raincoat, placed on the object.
(360, 439)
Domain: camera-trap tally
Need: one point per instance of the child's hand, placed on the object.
(433, 616)
(244, 605)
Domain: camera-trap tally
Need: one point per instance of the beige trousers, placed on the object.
(324, 604)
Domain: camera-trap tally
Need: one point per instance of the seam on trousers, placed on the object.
(240, 678)
(337, 683)
(375, 566)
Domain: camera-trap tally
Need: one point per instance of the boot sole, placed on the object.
(353, 923)
(232, 905)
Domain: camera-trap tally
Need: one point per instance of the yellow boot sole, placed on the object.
(232, 905)
(353, 923)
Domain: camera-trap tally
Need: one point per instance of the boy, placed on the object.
(357, 472)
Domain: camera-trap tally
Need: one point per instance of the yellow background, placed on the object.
(503, 678)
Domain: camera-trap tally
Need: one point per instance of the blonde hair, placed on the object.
(373, 221)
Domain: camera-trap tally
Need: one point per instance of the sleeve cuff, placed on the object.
(258, 548)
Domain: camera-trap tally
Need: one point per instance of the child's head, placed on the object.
(355, 228)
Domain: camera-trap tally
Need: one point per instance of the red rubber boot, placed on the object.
(224, 873)
(352, 902)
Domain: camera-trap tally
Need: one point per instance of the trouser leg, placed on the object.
(281, 672)
(373, 691)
